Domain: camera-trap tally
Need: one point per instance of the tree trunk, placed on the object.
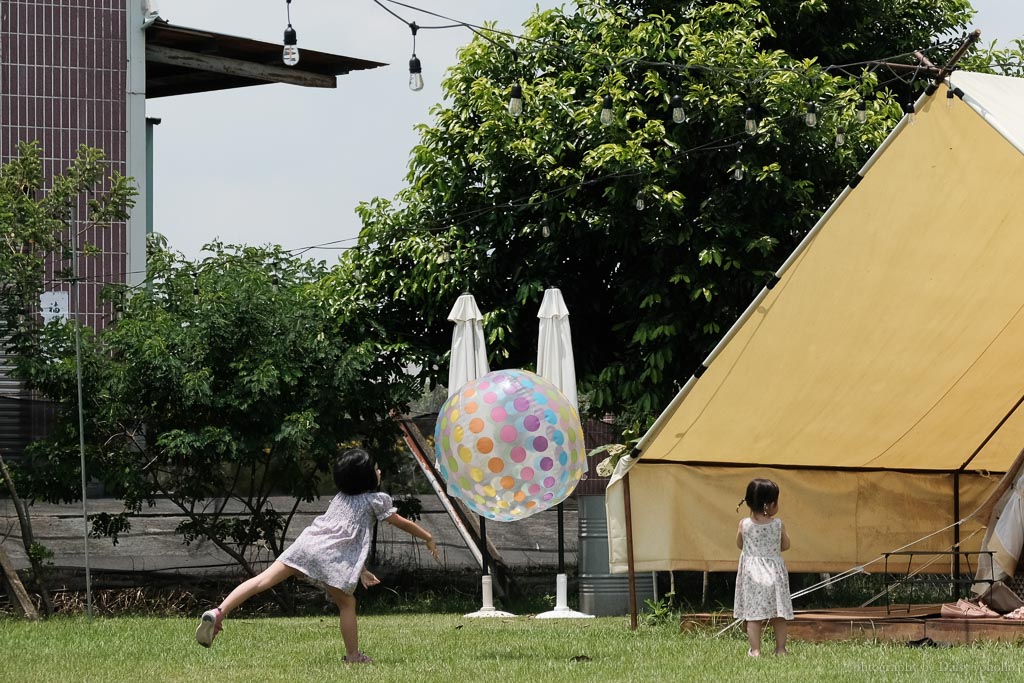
(28, 540)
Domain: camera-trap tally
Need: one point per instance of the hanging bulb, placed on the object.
(415, 74)
(640, 203)
(737, 171)
(811, 115)
(678, 113)
(515, 101)
(545, 229)
(415, 68)
(290, 54)
(840, 136)
(949, 98)
(607, 115)
(862, 111)
(749, 121)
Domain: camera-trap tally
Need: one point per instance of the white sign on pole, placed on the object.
(54, 306)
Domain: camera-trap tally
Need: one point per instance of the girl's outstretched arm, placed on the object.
(414, 529)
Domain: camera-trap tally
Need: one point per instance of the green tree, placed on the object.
(221, 383)
(658, 233)
(38, 228)
(39, 219)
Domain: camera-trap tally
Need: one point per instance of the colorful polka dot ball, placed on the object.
(510, 445)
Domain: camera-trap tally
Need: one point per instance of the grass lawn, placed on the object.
(450, 648)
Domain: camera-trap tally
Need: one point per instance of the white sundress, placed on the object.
(762, 581)
(334, 548)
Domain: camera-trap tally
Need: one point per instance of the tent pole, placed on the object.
(629, 553)
(956, 527)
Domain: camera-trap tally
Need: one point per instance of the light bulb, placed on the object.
(811, 115)
(545, 229)
(678, 113)
(640, 204)
(862, 111)
(737, 172)
(290, 54)
(949, 98)
(840, 136)
(749, 121)
(415, 74)
(515, 100)
(607, 115)
(908, 109)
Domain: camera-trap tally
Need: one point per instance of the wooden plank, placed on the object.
(842, 624)
(16, 588)
(237, 67)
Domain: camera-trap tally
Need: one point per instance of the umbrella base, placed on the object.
(562, 610)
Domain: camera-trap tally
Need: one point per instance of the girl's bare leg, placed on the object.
(268, 578)
(347, 620)
(754, 637)
(779, 626)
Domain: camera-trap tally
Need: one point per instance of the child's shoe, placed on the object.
(360, 658)
(209, 626)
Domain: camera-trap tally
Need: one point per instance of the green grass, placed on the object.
(453, 649)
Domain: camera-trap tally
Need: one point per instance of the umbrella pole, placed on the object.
(485, 557)
(561, 540)
(486, 587)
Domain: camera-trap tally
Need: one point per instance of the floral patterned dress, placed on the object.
(333, 549)
(762, 582)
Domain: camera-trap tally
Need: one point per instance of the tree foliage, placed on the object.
(220, 384)
(504, 206)
(38, 225)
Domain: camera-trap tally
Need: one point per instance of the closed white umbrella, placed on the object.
(555, 363)
(469, 351)
(554, 345)
(469, 362)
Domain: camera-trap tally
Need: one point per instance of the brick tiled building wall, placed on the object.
(63, 80)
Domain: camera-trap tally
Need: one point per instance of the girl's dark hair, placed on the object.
(761, 493)
(355, 472)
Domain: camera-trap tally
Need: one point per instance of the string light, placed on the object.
(678, 113)
(750, 121)
(949, 98)
(862, 111)
(607, 115)
(290, 54)
(811, 115)
(840, 136)
(640, 203)
(415, 68)
(515, 101)
(737, 171)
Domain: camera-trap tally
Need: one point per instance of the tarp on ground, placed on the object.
(879, 382)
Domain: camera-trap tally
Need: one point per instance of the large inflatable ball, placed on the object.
(510, 445)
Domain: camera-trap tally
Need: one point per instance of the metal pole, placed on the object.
(485, 556)
(561, 540)
(81, 414)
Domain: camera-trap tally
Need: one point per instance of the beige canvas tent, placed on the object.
(879, 381)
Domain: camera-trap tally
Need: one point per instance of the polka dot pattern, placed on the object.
(510, 445)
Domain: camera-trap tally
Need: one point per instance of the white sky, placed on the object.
(280, 164)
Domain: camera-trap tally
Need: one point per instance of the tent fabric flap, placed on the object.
(894, 340)
(686, 518)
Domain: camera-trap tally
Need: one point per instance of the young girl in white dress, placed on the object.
(762, 582)
(332, 550)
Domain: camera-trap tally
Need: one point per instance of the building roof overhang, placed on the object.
(183, 60)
